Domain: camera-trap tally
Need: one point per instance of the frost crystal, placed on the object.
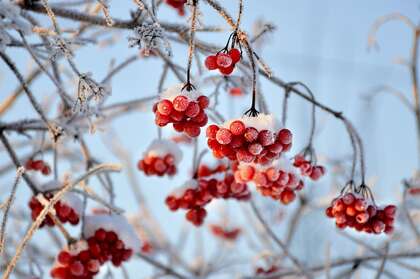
(88, 89)
(149, 37)
(59, 47)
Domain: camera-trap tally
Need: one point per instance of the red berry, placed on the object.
(284, 136)
(255, 148)
(180, 103)
(235, 54)
(251, 134)
(211, 62)
(161, 120)
(348, 198)
(46, 170)
(76, 268)
(287, 196)
(237, 127)
(329, 212)
(227, 71)
(165, 107)
(100, 234)
(243, 155)
(192, 130)
(390, 210)
(265, 137)
(223, 136)
(203, 101)
(223, 61)
(247, 173)
(64, 257)
(37, 165)
(193, 109)
(93, 266)
(212, 131)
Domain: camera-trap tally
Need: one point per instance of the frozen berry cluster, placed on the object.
(223, 61)
(279, 183)
(267, 271)
(153, 165)
(102, 247)
(307, 168)
(355, 211)
(161, 158)
(178, 5)
(38, 165)
(64, 212)
(186, 111)
(225, 234)
(244, 143)
(198, 193)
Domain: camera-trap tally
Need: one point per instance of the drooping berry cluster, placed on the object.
(178, 5)
(249, 139)
(196, 194)
(102, 247)
(63, 210)
(223, 61)
(225, 234)
(307, 168)
(267, 271)
(157, 165)
(160, 158)
(276, 180)
(38, 165)
(185, 110)
(355, 211)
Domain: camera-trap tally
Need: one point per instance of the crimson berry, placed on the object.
(64, 257)
(203, 101)
(180, 103)
(224, 136)
(192, 130)
(193, 109)
(165, 107)
(251, 134)
(284, 136)
(227, 71)
(287, 196)
(76, 268)
(237, 127)
(223, 61)
(211, 62)
(235, 54)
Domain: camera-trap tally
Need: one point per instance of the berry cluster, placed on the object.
(267, 271)
(224, 61)
(64, 212)
(275, 180)
(178, 5)
(38, 165)
(198, 193)
(355, 211)
(225, 234)
(160, 158)
(103, 246)
(307, 168)
(245, 143)
(152, 165)
(186, 111)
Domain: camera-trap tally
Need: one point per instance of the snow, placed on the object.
(179, 191)
(162, 147)
(260, 122)
(172, 92)
(116, 223)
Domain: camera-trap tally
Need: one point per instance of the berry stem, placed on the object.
(253, 112)
(191, 45)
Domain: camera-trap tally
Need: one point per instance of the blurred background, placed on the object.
(321, 43)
